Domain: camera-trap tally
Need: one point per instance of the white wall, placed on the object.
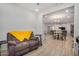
(76, 27)
(14, 18)
(76, 21)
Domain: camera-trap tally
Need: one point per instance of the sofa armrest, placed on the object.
(34, 38)
(12, 43)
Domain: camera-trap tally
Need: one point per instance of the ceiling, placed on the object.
(59, 17)
(41, 6)
(62, 16)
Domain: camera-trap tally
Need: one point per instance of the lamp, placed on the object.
(37, 8)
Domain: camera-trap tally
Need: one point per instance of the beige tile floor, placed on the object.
(52, 47)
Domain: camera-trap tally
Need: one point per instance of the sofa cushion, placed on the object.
(21, 46)
(22, 52)
(33, 42)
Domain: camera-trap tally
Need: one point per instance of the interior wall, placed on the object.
(15, 18)
(76, 21)
(76, 27)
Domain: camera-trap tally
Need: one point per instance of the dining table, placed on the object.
(57, 34)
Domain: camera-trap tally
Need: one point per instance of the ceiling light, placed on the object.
(36, 10)
(67, 11)
(56, 20)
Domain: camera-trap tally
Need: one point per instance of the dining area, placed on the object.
(59, 34)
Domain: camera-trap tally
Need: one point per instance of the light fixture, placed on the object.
(67, 11)
(56, 20)
(58, 16)
(36, 10)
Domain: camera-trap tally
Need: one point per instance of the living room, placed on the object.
(29, 17)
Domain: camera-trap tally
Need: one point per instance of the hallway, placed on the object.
(52, 47)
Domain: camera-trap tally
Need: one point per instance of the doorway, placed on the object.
(59, 31)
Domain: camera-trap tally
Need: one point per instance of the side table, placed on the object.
(40, 40)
